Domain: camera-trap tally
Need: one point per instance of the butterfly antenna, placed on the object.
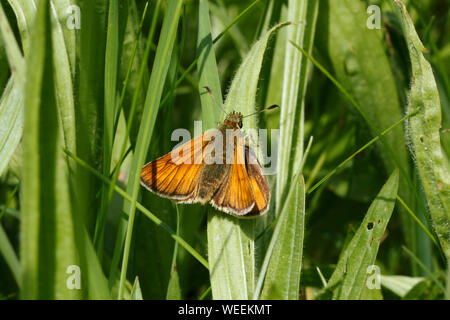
(215, 100)
(265, 109)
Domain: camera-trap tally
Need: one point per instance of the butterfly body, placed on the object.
(216, 167)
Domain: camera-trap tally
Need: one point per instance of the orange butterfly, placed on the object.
(204, 169)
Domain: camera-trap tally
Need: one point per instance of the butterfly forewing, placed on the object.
(176, 174)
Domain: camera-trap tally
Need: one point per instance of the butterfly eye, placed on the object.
(240, 123)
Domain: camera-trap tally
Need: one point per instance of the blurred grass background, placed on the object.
(82, 109)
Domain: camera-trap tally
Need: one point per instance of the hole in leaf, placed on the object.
(370, 226)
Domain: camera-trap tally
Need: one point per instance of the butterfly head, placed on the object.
(233, 120)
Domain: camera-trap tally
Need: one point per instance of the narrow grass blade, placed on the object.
(174, 288)
(134, 72)
(63, 57)
(154, 92)
(350, 276)
(117, 13)
(13, 53)
(7, 251)
(11, 101)
(290, 152)
(89, 94)
(282, 280)
(207, 70)
(427, 271)
(11, 122)
(423, 130)
(136, 293)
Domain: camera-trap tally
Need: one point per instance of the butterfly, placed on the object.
(218, 167)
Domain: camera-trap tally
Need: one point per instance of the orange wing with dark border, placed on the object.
(258, 182)
(176, 174)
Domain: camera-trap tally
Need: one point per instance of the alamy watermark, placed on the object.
(73, 281)
(374, 277)
(74, 17)
(374, 19)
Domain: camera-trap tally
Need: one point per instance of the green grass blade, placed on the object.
(89, 94)
(11, 122)
(133, 94)
(282, 280)
(155, 88)
(290, 152)
(136, 293)
(115, 23)
(7, 251)
(349, 278)
(13, 53)
(63, 52)
(207, 70)
(425, 269)
(174, 288)
(424, 137)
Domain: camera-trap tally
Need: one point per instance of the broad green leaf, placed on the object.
(424, 137)
(282, 280)
(231, 242)
(303, 14)
(349, 280)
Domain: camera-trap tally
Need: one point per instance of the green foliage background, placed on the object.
(363, 179)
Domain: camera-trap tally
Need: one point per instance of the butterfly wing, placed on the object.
(176, 174)
(258, 182)
(235, 195)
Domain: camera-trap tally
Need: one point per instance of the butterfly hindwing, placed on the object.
(235, 195)
(258, 182)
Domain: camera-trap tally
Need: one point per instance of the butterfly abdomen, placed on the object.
(210, 180)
